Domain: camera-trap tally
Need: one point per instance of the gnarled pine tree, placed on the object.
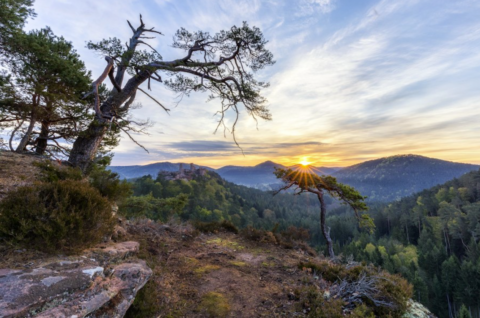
(302, 180)
(222, 64)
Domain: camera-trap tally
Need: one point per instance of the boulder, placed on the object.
(102, 282)
(417, 310)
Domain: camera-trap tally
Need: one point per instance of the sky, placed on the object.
(353, 80)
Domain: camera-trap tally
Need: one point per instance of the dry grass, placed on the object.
(17, 170)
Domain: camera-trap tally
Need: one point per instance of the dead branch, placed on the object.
(156, 101)
(97, 83)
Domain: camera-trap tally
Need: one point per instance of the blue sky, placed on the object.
(354, 80)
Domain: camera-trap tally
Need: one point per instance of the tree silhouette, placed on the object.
(222, 64)
(303, 180)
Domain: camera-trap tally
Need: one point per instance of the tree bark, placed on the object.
(323, 225)
(13, 135)
(43, 138)
(23, 143)
(86, 145)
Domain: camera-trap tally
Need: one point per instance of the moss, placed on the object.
(226, 243)
(206, 269)
(238, 263)
(215, 305)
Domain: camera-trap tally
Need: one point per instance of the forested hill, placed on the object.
(432, 238)
(250, 176)
(129, 172)
(392, 178)
(259, 176)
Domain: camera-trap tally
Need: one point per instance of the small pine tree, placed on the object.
(464, 313)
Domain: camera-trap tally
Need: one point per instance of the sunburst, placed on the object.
(305, 162)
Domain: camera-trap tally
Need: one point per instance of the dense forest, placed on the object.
(430, 237)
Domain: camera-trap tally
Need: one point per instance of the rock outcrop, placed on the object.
(417, 310)
(102, 282)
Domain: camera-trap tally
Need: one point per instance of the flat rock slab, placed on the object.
(75, 286)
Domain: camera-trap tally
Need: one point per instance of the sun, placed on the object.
(305, 161)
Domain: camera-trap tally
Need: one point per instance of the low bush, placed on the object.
(215, 227)
(146, 302)
(109, 184)
(147, 206)
(63, 216)
(50, 171)
(105, 181)
(315, 305)
(386, 295)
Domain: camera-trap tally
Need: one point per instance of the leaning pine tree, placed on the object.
(222, 64)
(303, 180)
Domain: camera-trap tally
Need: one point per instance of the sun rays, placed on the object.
(305, 162)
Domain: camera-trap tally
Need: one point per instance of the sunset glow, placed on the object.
(305, 162)
(349, 85)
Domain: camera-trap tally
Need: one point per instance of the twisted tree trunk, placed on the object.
(323, 225)
(43, 138)
(86, 145)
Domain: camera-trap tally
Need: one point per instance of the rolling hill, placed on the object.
(129, 172)
(392, 178)
(383, 179)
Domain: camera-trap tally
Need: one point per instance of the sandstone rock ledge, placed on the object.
(102, 282)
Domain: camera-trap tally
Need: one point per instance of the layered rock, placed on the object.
(101, 282)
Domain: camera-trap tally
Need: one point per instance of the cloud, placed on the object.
(353, 80)
(311, 7)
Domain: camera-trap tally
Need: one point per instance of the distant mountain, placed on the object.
(384, 179)
(255, 176)
(317, 170)
(128, 172)
(261, 176)
(395, 177)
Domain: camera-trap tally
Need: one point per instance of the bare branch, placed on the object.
(132, 139)
(156, 101)
(97, 83)
(131, 27)
(112, 79)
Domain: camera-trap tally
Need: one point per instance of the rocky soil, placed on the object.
(224, 275)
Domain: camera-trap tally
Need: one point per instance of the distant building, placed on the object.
(182, 173)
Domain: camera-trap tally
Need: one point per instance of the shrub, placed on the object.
(146, 302)
(109, 184)
(316, 306)
(62, 216)
(147, 206)
(106, 182)
(52, 172)
(215, 227)
(296, 234)
(391, 290)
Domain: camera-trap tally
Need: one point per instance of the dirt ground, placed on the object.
(240, 278)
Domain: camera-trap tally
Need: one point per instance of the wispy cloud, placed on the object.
(354, 80)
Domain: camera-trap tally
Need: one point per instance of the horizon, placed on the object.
(353, 81)
(312, 164)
